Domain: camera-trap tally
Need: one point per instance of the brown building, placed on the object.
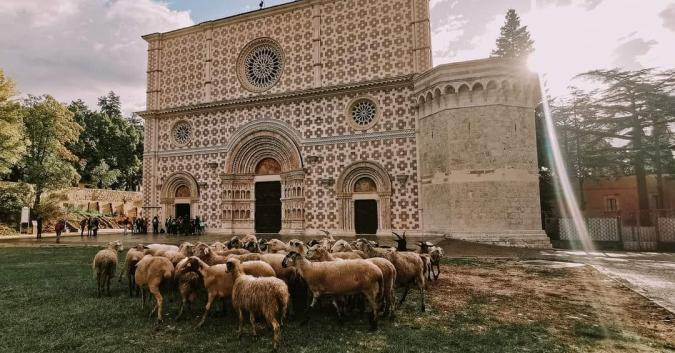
(612, 194)
(328, 114)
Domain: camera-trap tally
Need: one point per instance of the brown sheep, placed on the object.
(218, 246)
(153, 249)
(105, 265)
(151, 273)
(297, 246)
(218, 282)
(205, 253)
(189, 284)
(409, 267)
(339, 278)
(388, 273)
(341, 246)
(267, 297)
(134, 255)
(275, 246)
(437, 255)
(225, 253)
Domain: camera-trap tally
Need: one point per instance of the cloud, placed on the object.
(82, 48)
(574, 36)
(668, 17)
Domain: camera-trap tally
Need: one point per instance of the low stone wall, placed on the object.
(107, 202)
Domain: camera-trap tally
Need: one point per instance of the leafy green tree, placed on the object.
(13, 197)
(12, 144)
(49, 127)
(108, 137)
(514, 40)
(637, 107)
(103, 176)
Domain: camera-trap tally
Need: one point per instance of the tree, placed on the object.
(514, 40)
(49, 127)
(13, 197)
(626, 125)
(110, 104)
(586, 154)
(108, 137)
(12, 144)
(103, 176)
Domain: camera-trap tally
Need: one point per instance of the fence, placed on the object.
(630, 230)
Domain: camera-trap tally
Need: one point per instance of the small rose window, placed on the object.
(182, 133)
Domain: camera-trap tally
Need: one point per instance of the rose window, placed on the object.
(260, 65)
(364, 113)
(182, 133)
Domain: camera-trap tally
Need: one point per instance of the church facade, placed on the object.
(328, 115)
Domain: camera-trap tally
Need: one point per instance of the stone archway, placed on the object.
(364, 180)
(179, 191)
(263, 152)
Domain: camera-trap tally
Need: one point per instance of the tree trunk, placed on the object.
(640, 173)
(659, 166)
(38, 196)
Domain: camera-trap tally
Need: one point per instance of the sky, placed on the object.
(84, 48)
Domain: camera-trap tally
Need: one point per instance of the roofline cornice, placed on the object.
(399, 81)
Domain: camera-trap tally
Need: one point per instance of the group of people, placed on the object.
(184, 226)
(91, 224)
(175, 226)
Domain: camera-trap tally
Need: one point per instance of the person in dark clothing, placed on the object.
(155, 225)
(59, 228)
(83, 224)
(90, 223)
(38, 220)
(94, 227)
(197, 228)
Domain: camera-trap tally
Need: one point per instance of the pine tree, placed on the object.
(514, 40)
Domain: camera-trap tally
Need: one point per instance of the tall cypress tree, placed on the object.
(514, 40)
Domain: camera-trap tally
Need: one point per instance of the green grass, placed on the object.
(48, 304)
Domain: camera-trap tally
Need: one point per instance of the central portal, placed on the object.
(365, 214)
(268, 207)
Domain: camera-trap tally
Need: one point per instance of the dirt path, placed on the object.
(578, 304)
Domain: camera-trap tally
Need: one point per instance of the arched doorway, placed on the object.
(364, 193)
(365, 206)
(264, 181)
(267, 217)
(179, 196)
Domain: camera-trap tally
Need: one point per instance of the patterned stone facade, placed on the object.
(334, 53)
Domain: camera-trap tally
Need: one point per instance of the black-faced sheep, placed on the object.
(151, 273)
(340, 278)
(105, 265)
(267, 297)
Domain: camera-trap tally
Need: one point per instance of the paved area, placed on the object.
(650, 274)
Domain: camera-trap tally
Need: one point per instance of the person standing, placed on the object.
(90, 223)
(59, 228)
(95, 227)
(83, 224)
(155, 225)
(38, 220)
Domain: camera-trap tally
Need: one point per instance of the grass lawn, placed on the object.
(48, 304)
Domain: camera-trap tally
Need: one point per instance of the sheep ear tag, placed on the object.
(207, 250)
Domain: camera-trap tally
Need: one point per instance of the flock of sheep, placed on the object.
(264, 278)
